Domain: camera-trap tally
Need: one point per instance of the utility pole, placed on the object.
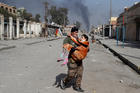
(45, 18)
(103, 30)
(110, 9)
(64, 21)
(110, 29)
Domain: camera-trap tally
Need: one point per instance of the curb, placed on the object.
(5, 48)
(126, 61)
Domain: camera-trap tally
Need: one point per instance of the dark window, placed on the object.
(10, 10)
(2, 7)
(6, 8)
(14, 11)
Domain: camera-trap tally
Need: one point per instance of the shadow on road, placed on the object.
(58, 79)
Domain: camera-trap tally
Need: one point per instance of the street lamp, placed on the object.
(110, 18)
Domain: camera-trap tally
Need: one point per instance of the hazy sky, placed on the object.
(98, 10)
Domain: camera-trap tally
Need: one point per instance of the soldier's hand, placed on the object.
(72, 50)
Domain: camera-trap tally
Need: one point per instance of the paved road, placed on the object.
(33, 69)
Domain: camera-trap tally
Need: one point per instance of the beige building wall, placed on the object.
(131, 31)
(10, 9)
(113, 22)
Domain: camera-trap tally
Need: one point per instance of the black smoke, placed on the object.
(77, 7)
(80, 9)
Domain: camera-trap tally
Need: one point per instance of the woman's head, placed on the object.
(84, 37)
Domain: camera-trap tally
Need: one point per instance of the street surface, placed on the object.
(33, 69)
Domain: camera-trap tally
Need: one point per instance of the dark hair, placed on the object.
(74, 29)
(85, 36)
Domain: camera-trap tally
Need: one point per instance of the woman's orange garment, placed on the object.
(81, 51)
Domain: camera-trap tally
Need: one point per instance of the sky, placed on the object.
(88, 12)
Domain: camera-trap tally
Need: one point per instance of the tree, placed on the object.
(52, 13)
(37, 17)
(59, 15)
(64, 13)
(28, 16)
(25, 15)
(78, 24)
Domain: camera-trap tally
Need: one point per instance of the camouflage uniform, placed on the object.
(75, 68)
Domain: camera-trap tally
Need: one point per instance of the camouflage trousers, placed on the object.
(75, 70)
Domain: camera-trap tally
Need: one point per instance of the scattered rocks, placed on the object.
(50, 46)
(121, 81)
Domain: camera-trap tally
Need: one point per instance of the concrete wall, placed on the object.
(131, 32)
(12, 30)
(36, 28)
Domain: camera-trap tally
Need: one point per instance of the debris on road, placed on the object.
(121, 81)
(50, 46)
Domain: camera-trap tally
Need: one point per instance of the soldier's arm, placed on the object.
(74, 40)
(66, 40)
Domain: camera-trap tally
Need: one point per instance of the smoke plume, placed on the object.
(77, 7)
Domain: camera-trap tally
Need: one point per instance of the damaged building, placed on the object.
(130, 18)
